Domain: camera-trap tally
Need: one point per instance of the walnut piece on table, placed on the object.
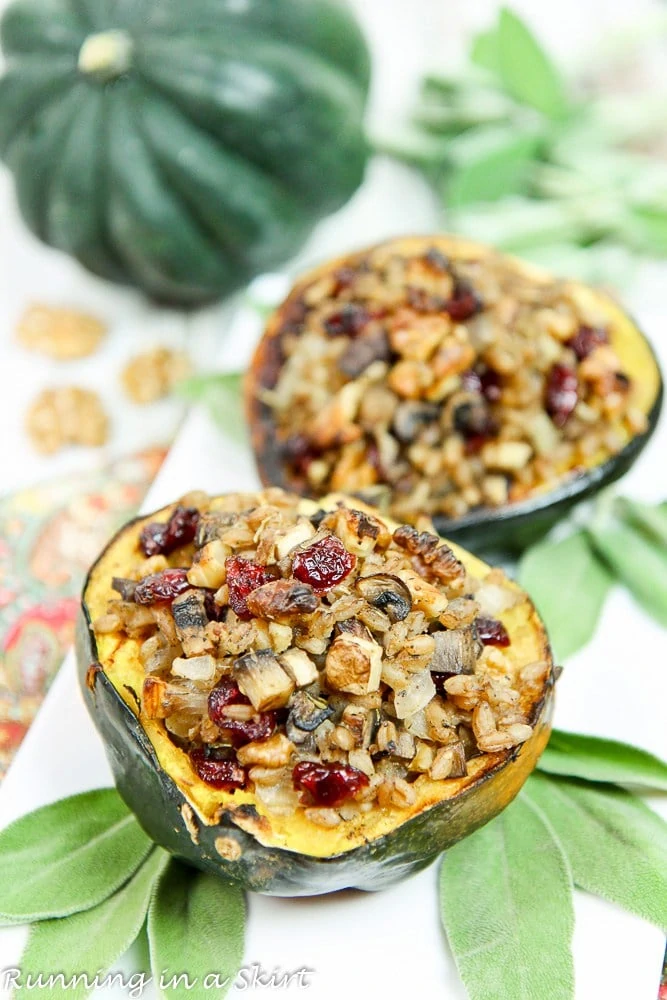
(152, 375)
(63, 334)
(64, 416)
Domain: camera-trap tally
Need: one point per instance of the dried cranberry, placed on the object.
(244, 576)
(299, 451)
(328, 784)
(492, 387)
(464, 303)
(492, 632)
(562, 393)
(324, 563)
(161, 539)
(348, 321)
(260, 727)
(226, 692)
(586, 339)
(473, 445)
(225, 774)
(163, 586)
(214, 612)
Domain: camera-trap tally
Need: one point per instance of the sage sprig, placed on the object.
(68, 856)
(569, 585)
(196, 925)
(86, 945)
(493, 886)
(615, 844)
(525, 156)
(595, 759)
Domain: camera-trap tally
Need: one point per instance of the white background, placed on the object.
(389, 944)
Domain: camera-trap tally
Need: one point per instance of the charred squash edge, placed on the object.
(235, 843)
(513, 526)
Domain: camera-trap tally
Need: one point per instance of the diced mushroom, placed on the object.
(354, 664)
(208, 569)
(306, 714)
(261, 679)
(388, 593)
(190, 620)
(410, 417)
(125, 588)
(299, 666)
(282, 600)
(456, 651)
(363, 351)
(212, 525)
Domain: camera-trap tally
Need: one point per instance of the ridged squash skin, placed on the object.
(181, 146)
(227, 833)
(513, 527)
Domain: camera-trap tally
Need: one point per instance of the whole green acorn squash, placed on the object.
(181, 147)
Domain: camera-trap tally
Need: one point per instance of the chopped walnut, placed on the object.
(63, 334)
(66, 416)
(151, 376)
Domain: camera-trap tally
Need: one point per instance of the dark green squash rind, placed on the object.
(320, 34)
(157, 802)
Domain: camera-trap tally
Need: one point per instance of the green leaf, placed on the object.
(526, 70)
(651, 518)
(568, 585)
(493, 887)
(222, 395)
(637, 562)
(87, 944)
(68, 856)
(196, 925)
(616, 846)
(498, 170)
(595, 759)
(485, 50)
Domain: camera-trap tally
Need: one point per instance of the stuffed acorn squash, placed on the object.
(303, 696)
(434, 376)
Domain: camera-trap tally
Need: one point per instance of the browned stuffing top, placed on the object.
(322, 658)
(439, 386)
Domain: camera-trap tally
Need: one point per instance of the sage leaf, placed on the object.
(87, 944)
(636, 560)
(498, 170)
(196, 925)
(568, 584)
(526, 70)
(221, 394)
(616, 846)
(577, 756)
(485, 51)
(68, 856)
(650, 518)
(493, 885)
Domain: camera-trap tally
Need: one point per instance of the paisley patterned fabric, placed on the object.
(49, 535)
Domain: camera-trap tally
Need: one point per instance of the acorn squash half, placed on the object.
(285, 436)
(231, 834)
